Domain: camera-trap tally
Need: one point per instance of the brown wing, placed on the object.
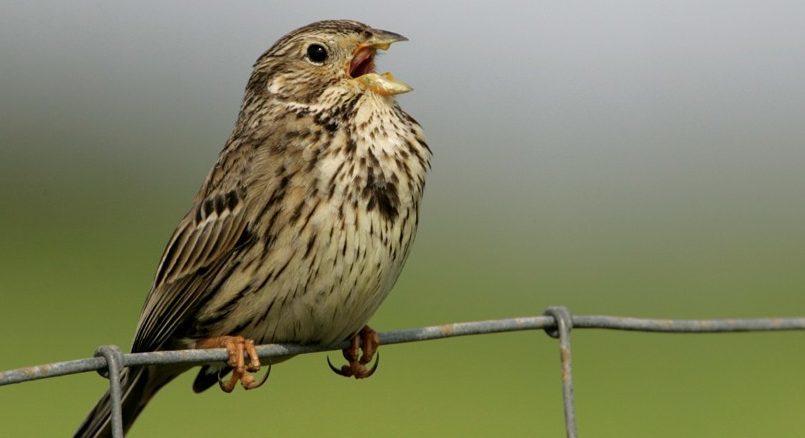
(200, 246)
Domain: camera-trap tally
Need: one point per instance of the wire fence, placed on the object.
(556, 321)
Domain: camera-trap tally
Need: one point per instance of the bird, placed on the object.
(302, 226)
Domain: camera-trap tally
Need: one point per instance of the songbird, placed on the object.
(301, 227)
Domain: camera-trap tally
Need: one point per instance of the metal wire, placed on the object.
(557, 322)
(113, 358)
(564, 322)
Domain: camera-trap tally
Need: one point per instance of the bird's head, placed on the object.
(334, 55)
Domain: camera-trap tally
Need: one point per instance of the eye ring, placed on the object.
(317, 53)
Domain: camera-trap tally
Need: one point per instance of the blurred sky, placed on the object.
(638, 157)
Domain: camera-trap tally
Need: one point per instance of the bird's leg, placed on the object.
(366, 340)
(237, 347)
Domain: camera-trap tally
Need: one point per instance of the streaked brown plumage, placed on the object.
(304, 223)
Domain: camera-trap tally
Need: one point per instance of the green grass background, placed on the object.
(672, 187)
(78, 256)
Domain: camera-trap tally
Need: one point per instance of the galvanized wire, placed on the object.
(564, 322)
(113, 358)
(557, 322)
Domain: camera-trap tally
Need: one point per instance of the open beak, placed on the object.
(362, 66)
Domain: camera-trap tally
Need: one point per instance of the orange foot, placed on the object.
(366, 340)
(237, 347)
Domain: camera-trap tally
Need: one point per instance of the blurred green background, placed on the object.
(623, 157)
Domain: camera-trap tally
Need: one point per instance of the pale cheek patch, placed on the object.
(276, 85)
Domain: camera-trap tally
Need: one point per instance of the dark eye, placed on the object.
(316, 53)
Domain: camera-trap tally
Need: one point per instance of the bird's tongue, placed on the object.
(362, 63)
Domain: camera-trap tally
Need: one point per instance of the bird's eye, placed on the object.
(316, 53)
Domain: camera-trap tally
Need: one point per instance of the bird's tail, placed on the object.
(138, 385)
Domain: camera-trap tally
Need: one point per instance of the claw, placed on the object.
(256, 384)
(237, 349)
(340, 372)
(374, 367)
(229, 385)
(247, 380)
(366, 340)
(357, 370)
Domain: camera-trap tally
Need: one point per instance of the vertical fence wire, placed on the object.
(114, 361)
(564, 323)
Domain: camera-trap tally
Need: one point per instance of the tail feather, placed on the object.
(208, 376)
(138, 386)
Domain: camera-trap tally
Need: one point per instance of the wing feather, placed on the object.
(202, 244)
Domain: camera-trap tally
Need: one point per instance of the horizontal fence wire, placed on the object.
(556, 321)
